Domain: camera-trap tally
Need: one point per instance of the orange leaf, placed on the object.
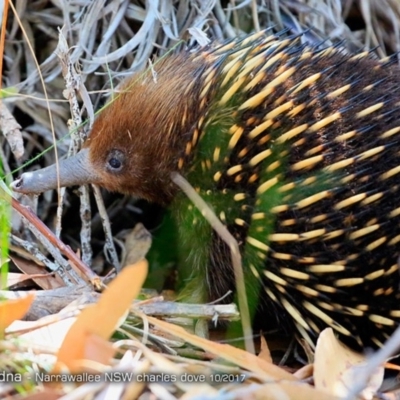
(101, 319)
(11, 310)
(98, 349)
(44, 393)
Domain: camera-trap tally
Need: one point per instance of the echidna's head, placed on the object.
(136, 140)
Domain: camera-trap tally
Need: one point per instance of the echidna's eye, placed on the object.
(115, 161)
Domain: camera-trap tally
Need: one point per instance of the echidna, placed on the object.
(296, 148)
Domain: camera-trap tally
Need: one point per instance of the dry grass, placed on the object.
(108, 40)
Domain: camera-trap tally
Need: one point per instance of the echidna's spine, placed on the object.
(297, 152)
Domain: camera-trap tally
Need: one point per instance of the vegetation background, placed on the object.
(107, 40)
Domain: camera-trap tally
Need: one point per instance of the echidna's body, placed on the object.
(297, 151)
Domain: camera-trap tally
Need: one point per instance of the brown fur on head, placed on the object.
(137, 139)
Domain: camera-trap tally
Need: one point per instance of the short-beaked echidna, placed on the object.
(296, 148)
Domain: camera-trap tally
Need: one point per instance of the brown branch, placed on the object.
(76, 262)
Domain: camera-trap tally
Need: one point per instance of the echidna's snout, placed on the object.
(75, 170)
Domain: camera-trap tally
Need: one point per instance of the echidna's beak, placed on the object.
(75, 170)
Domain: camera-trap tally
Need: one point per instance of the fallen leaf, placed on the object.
(305, 372)
(12, 310)
(38, 274)
(264, 353)
(17, 280)
(137, 244)
(101, 319)
(98, 349)
(49, 336)
(334, 367)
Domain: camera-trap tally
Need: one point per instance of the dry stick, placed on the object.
(72, 83)
(105, 221)
(85, 212)
(226, 236)
(59, 212)
(6, 167)
(3, 37)
(9, 126)
(27, 213)
(63, 269)
(31, 248)
(254, 13)
(222, 19)
(11, 130)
